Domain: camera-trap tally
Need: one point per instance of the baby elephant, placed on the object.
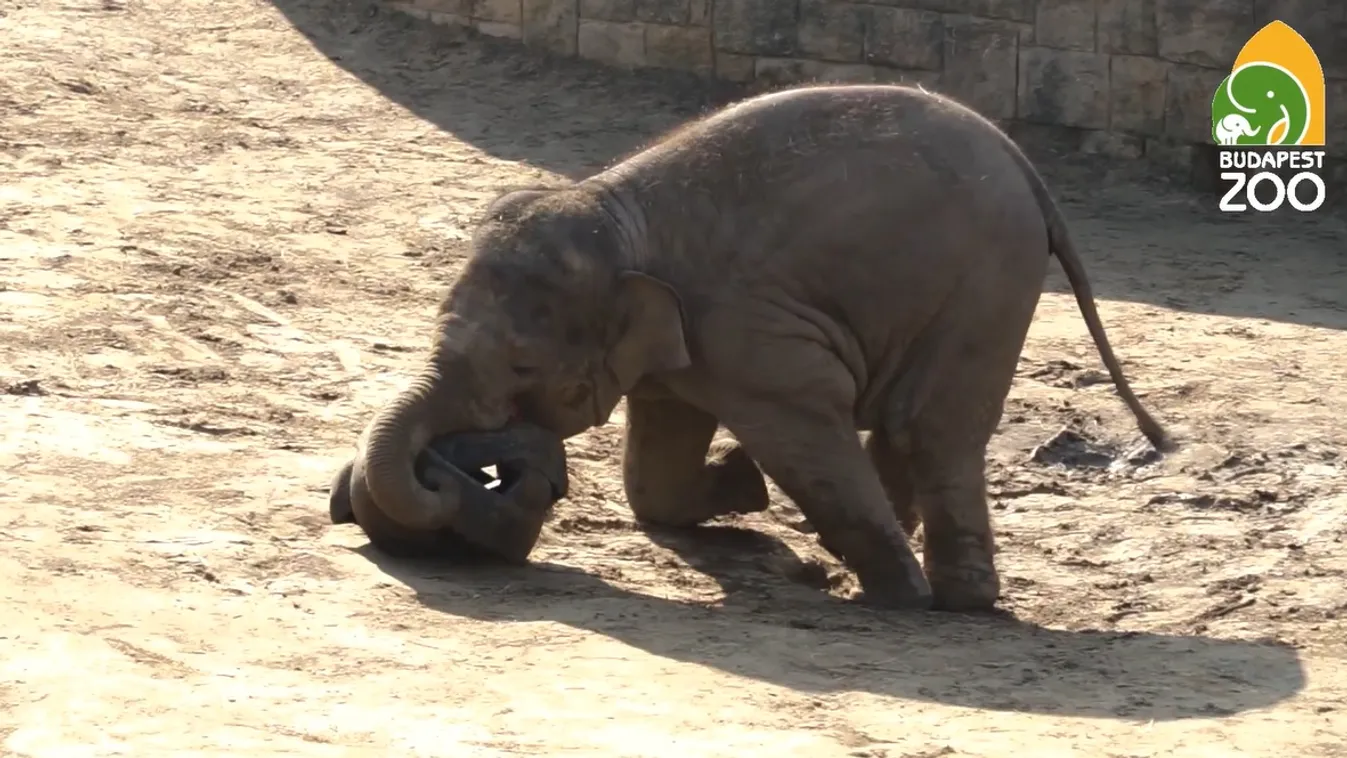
(795, 268)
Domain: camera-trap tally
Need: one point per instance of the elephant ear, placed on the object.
(510, 205)
(651, 337)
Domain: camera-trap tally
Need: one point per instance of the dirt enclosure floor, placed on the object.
(224, 225)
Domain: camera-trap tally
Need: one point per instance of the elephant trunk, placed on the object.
(437, 402)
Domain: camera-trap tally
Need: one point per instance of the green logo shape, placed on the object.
(1260, 104)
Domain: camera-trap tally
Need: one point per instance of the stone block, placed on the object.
(1112, 144)
(611, 43)
(450, 19)
(451, 7)
(1065, 25)
(1204, 170)
(929, 80)
(1203, 32)
(1063, 87)
(850, 73)
(1173, 157)
(1041, 140)
(757, 27)
(1335, 176)
(1137, 94)
(682, 47)
(831, 30)
(1335, 97)
(905, 38)
(412, 10)
(1010, 10)
(981, 58)
(734, 68)
(499, 11)
(663, 11)
(1323, 24)
(1127, 27)
(794, 70)
(1188, 94)
(778, 71)
(551, 25)
(454, 7)
(699, 12)
(620, 11)
(498, 29)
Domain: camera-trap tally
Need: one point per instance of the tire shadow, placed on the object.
(813, 642)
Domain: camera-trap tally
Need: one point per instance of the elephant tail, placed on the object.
(1062, 246)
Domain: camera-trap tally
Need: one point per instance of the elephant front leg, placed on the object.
(819, 463)
(672, 473)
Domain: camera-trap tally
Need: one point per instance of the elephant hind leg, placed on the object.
(934, 476)
(675, 476)
(817, 460)
(949, 435)
(958, 546)
(944, 490)
(894, 465)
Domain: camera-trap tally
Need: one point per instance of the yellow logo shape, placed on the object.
(1274, 94)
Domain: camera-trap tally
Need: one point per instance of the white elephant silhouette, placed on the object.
(1232, 127)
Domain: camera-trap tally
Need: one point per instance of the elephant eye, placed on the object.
(524, 372)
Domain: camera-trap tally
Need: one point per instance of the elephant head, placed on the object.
(1271, 101)
(548, 323)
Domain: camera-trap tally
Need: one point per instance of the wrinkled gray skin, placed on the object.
(796, 268)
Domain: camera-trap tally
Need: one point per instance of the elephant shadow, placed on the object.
(807, 640)
(1145, 243)
(566, 115)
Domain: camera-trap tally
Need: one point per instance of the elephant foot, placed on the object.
(735, 484)
(966, 583)
(890, 578)
(909, 592)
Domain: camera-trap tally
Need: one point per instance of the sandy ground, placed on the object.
(224, 225)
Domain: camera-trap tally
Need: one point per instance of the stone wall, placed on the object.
(1125, 77)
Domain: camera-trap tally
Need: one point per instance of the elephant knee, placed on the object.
(728, 482)
(661, 507)
(656, 491)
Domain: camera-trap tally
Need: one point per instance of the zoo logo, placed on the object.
(1273, 98)
(1274, 94)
